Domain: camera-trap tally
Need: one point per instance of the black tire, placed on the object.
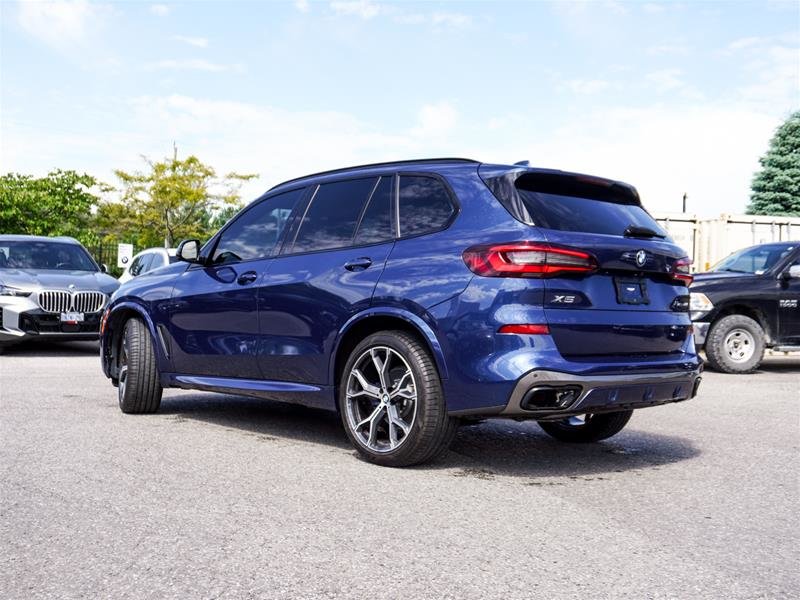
(139, 386)
(721, 344)
(431, 430)
(593, 429)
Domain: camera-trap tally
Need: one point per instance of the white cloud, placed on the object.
(586, 86)
(274, 142)
(495, 123)
(411, 19)
(666, 80)
(653, 8)
(451, 19)
(668, 50)
(437, 19)
(365, 9)
(193, 64)
(436, 120)
(59, 24)
(160, 10)
(302, 5)
(772, 69)
(584, 8)
(745, 42)
(709, 152)
(197, 42)
(775, 79)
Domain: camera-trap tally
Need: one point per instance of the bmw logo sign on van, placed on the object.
(641, 258)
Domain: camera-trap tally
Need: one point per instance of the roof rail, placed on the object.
(379, 164)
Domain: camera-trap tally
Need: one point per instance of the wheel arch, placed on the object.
(117, 317)
(382, 319)
(747, 310)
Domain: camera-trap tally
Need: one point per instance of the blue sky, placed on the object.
(672, 97)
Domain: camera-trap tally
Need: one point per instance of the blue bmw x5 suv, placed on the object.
(410, 296)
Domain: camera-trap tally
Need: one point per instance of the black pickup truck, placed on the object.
(746, 303)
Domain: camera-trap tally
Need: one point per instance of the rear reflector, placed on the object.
(526, 329)
(680, 271)
(527, 259)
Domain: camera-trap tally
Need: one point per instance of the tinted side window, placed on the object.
(425, 205)
(156, 263)
(256, 232)
(138, 264)
(376, 224)
(149, 262)
(330, 220)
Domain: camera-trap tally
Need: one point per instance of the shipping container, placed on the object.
(709, 240)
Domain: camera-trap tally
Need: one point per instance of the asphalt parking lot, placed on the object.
(229, 497)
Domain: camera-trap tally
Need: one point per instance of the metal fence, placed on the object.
(106, 254)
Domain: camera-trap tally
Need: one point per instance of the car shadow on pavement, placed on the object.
(780, 364)
(485, 450)
(267, 418)
(522, 449)
(52, 349)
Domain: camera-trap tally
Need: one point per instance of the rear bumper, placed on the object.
(600, 393)
(551, 395)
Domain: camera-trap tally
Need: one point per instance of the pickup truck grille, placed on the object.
(58, 301)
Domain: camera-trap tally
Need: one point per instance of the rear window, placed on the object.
(568, 203)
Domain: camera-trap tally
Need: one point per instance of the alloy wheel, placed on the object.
(381, 399)
(123, 366)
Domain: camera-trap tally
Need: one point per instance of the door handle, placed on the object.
(359, 264)
(248, 277)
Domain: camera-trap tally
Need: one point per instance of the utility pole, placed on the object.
(685, 195)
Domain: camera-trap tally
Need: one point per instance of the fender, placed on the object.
(387, 311)
(161, 358)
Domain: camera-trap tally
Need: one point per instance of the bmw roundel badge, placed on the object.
(641, 258)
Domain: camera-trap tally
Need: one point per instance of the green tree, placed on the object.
(776, 187)
(59, 204)
(173, 199)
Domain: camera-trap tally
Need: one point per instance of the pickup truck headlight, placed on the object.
(10, 291)
(699, 305)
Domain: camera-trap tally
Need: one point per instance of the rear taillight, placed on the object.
(680, 270)
(527, 259)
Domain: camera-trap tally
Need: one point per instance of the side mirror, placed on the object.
(104, 268)
(793, 272)
(189, 250)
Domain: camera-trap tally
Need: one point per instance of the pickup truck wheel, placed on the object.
(587, 428)
(735, 344)
(391, 401)
(139, 386)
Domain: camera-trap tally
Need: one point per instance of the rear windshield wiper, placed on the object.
(641, 232)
